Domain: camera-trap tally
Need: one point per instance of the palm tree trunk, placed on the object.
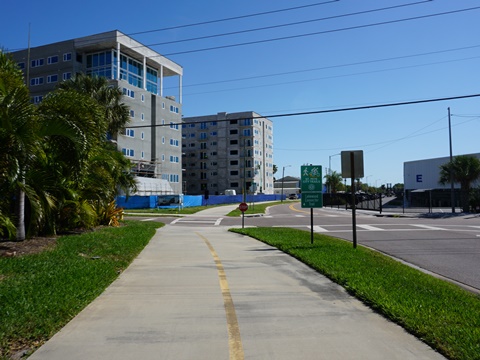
(20, 214)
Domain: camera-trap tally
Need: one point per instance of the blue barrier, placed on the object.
(151, 202)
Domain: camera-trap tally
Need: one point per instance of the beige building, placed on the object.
(153, 140)
(228, 152)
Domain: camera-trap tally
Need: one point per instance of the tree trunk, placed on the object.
(20, 214)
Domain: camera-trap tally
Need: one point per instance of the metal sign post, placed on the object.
(352, 167)
(312, 196)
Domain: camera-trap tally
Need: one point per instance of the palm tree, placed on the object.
(18, 138)
(465, 169)
(333, 181)
(116, 113)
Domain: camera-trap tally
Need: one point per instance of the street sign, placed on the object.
(243, 207)
(312, 186)
(347, 164)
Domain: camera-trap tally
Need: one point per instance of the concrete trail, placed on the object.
(206, 293)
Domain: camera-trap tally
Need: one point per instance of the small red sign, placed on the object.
(243, 207)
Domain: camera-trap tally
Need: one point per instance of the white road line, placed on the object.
(428, 227)
(299, 215)
(198, 221)
(219, 220)
(318, 229)
(151, 219)
(175, 221)
(370, 228)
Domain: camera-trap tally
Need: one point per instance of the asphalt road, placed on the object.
(447, 246)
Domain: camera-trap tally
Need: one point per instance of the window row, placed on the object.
(50, 79)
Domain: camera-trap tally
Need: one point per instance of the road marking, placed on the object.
(370, 228)
(318, 228)
(175, 221)
(150, 219)
(428, 227)
(234, 340)
(219, 220)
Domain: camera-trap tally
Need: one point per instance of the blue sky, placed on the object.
(372, 58)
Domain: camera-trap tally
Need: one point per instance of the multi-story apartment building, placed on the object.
(153, 142)
(228, 151)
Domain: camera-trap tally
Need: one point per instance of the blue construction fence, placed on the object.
(175, 201)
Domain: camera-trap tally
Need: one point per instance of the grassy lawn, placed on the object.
(255, 208)
(441, 314)
(40, 293)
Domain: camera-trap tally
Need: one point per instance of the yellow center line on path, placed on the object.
(292, 207)
(234, 340)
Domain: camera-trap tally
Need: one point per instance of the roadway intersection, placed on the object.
(448, 246)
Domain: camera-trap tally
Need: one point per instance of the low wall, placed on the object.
(151, 202)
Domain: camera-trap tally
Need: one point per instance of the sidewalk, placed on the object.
(172, 303)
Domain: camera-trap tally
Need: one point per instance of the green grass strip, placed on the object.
(254, 208)
(40, 293)
(440, 313)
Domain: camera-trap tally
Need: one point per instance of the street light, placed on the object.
(283, 176)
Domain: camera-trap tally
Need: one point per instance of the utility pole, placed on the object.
(452, 188)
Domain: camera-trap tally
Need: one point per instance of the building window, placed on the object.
(213, 133)
(234, 173)
(174, 159)
(52, 59)
(67, 75)
(174, 142)
(247, 132)
(234, 162)
(163, 139)
(143, 98)
(233, 122)
(128, 152)
(233, 152)
(36, 81)
(203, 145)
(143, 155)
(203, 135)
(130, 133)
(67, 57)
(37, 99)
(163, 105)
(142, 116)
(233, 142)
(203, 125)
(21, 65)
(37, 62)
(132, 113)
(173, 125)
(234, 132)
(52, 78)
(234, 184)
(129, 93)
(142, 135)
(173, 109)
(163, 157)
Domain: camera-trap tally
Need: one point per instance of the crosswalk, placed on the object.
(338, 228)
(198, 221)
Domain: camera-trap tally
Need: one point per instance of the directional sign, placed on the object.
(312, 196)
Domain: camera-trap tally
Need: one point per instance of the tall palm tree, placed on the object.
(465, 169)
(116, 113)
(333, 181)
(18, 138)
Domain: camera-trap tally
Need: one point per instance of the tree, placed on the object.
(465, 170)
(275, 169)
(18, 138)
(333, 181)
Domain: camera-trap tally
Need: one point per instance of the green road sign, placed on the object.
(312, 186)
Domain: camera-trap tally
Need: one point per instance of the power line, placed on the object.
(355, 108)
(334, 66)
(235, 17)
(336, 76)
(288, 24)
(323, 32)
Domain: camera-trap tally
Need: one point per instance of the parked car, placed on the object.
(292, 197)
